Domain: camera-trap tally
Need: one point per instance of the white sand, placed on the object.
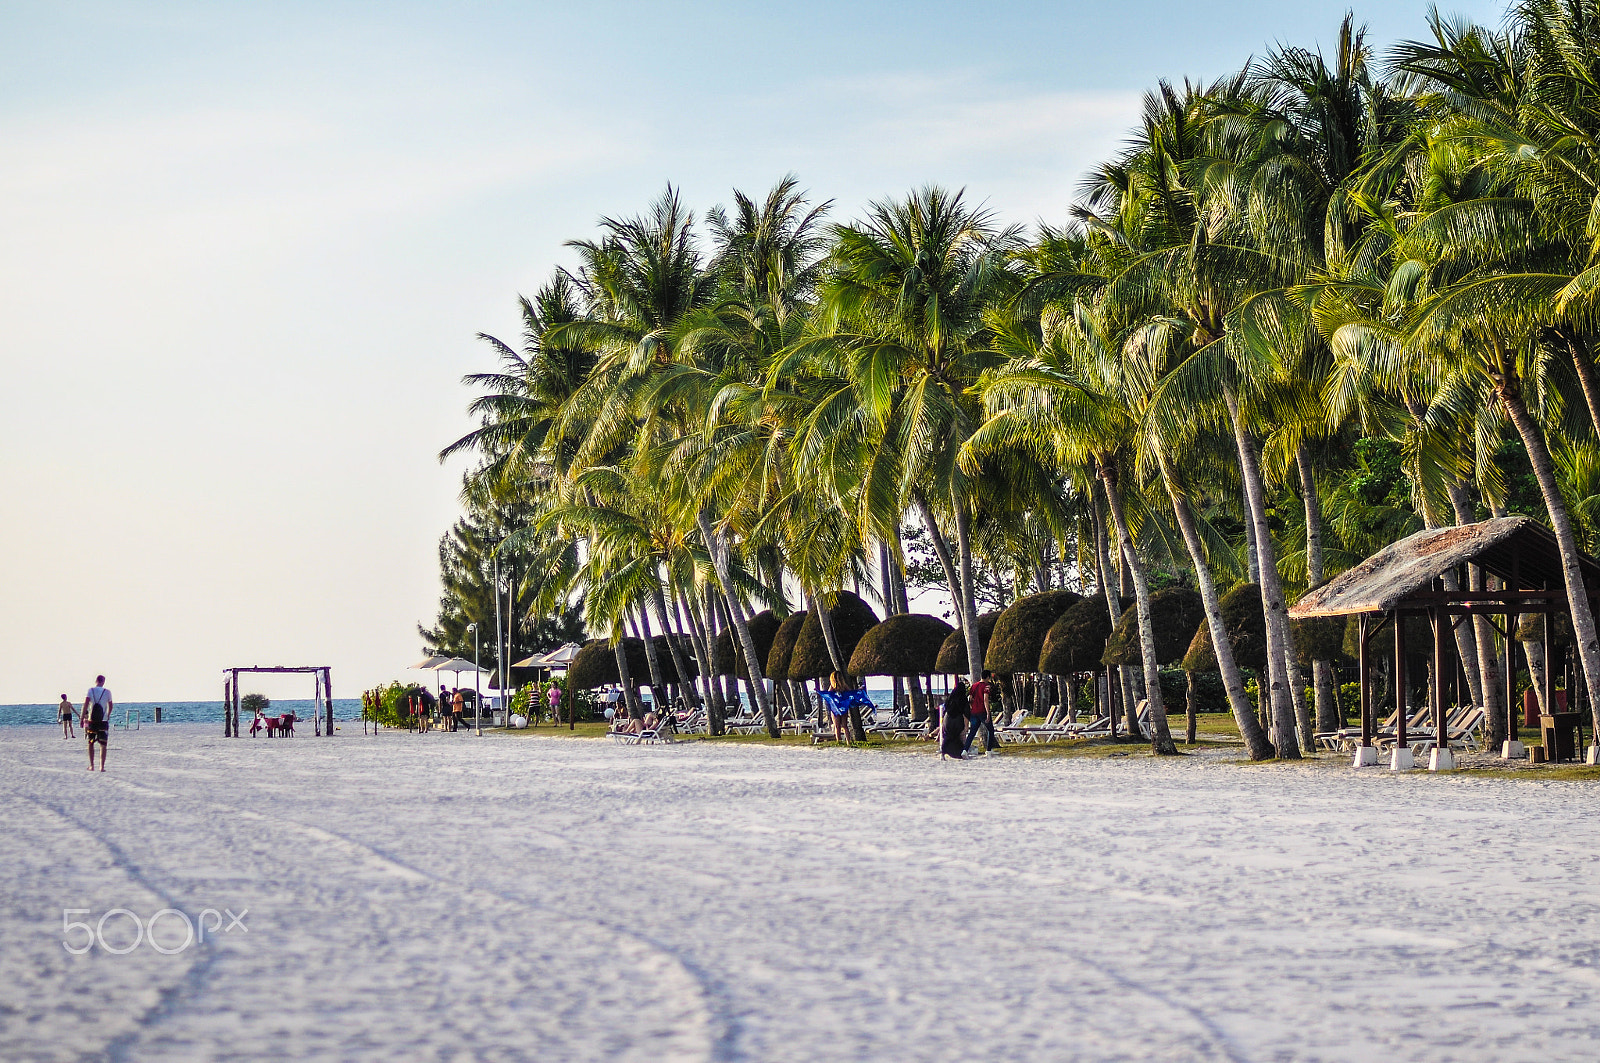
(446, 897)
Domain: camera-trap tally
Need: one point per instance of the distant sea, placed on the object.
(174, 711)
(211, 711)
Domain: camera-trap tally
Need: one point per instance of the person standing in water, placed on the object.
(97, 708)
(66, 718)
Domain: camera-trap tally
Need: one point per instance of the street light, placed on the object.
(477, 682)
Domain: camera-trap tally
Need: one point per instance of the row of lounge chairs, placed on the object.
(1464, 728)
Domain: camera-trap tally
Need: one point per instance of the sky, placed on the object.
(246, 250)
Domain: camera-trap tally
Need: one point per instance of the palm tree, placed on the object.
(900, 319)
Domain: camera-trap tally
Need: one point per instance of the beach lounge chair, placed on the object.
(1347, 738)
(1463, 727)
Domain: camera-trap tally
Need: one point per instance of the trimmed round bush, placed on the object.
(1246, 628)
(851, 618)
(952, 658)
(783, 645)
(1019, 633)
(763, 629)
(1175, 614)
(596, 664)
(907, 644)
(1076, 641)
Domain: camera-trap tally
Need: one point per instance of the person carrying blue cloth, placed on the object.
(840, 699)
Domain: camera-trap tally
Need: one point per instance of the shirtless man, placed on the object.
(66, 711)
(97, 709)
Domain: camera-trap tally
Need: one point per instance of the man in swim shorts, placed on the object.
(97, 707)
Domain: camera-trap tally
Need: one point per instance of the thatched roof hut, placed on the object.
(907, 644)
(1019, 633)
(596, 664)
(1077, 639)
(851, 618)
(763, 628)
(953, 654)
(1507, 547)
(1247, 633)
(783, 641)
(1175, 613)
(669, 668)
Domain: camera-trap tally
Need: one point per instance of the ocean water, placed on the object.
(175, 711)
(211, 711)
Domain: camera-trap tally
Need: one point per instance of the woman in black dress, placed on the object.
(953, 722)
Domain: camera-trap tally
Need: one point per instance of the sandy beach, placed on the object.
(444, 897)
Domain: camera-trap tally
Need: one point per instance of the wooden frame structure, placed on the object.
(1432, 575)
(321, 696)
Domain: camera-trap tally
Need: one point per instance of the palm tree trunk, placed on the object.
(1252, 559)
(1255, 742)
(967, 606)
(703, 614)
(1582, 612)
(658, 683)
(1132, 682)
(1324, 691)
(1485, 662)
(1280, 646)
(1190, 719)
(683, 605)
(1160, 737)
(720, 565)
(625, 675)
(1109, 590)
(1586, 375)
(679, 665)
(952, 575)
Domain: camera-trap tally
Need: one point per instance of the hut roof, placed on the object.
(953, 654)
(1019, 633)
(907, 644)
(1501, 545)
(851, 618)
(783, 645)
(669, 667)
(596, 664)
(1247, 633)
(1175, 613)
(1076, 640)
(763, 627)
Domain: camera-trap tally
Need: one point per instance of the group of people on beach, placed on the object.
(964, 716)
(452, 705)
(94, 718)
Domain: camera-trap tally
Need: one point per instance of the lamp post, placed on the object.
(477, 682)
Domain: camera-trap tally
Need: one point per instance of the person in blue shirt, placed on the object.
(840, 698)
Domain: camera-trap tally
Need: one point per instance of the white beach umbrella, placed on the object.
(431, 663)
(456, 665)
(557, 658)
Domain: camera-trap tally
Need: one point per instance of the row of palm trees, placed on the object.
(1170, 384)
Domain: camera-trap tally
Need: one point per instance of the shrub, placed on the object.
(250, 704)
